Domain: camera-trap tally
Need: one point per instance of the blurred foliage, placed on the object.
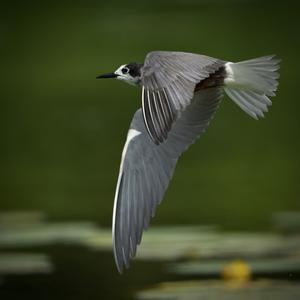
(63, 131)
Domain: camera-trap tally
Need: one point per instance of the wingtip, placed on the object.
(119, 265)
(120, 269)
(122, 262)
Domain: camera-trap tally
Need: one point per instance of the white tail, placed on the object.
(249, 83)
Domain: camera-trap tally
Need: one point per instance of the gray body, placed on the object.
(180, 95)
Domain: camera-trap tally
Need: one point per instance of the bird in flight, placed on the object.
(180, 95)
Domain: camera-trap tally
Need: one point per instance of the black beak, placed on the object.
(108, 75)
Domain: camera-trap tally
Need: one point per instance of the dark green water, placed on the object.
(62, 131)
(81, 274)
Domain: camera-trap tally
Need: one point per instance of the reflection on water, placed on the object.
(24, 263)
(215, 290)
(260, 266)
(29, 244)
(19, 231)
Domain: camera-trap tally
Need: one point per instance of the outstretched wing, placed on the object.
(146, 170)
(169, 80)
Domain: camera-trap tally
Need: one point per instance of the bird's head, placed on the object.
(130, 73)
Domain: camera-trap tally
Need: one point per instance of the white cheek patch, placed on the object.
(119, 70)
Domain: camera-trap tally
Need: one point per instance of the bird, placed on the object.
(180, 93)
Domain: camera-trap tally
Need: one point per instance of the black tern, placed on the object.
(180, 95)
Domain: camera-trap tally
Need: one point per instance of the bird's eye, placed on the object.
(125, 70)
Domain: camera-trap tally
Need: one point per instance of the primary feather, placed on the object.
(146, 170)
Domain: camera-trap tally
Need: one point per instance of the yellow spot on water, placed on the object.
(237, 270)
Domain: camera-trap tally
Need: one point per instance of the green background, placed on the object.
(63, 130)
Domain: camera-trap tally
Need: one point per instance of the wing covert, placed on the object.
(169, 80)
